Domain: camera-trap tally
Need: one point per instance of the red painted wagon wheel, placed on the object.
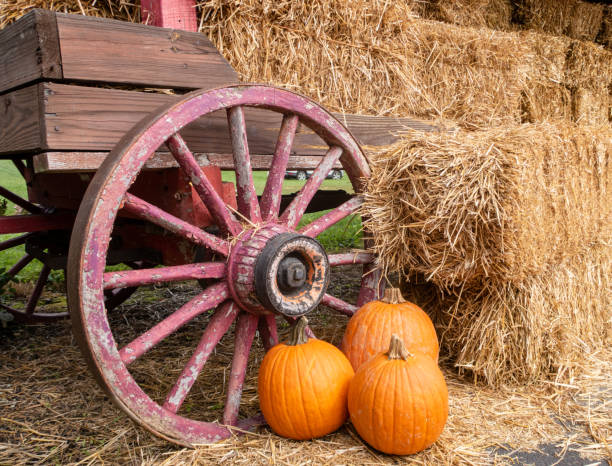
(266, 266)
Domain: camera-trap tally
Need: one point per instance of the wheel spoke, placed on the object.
(22, 169)
(142, 209)
(372, 284)
(294, 211)
(245, 331)
(349, 258)
(16, 241)
(321, 224)
(339, 305)
(218, 325)
(268, 331)
(21, 202)
(113, 298)
(175, 273)
(15, 269)
(211, 198)
(210, 298)
(38, 289)
(245, 189)
(272, 194)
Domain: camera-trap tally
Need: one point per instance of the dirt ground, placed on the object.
(53, 412)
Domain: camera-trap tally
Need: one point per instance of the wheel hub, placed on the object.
(274, 270)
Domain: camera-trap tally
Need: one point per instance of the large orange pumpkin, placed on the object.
(303, 386)
(369, 330)
(398, 401)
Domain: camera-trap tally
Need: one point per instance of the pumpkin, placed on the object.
(369, 330)
(303, 386)
(398, 401)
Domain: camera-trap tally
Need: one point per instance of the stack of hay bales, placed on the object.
(380, 58)
(508, 231)
(504, 222)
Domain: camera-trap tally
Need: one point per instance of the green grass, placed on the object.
(11, 179)
(289, 185)
(345, 234)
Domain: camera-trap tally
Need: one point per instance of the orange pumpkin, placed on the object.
(303, 386)
(369, 330)
(398, 401)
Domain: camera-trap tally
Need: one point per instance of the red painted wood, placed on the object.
(38, 289)
(126, 278)
(321, 224)
(339, 305)
(348, 258)
(211, 198)
(175, 14)
(246, 195)
(245, 331)
(272, 194)
(218, 325)
(268, 331)
(294, 212)
(29, 223)
(206, 300)
(142, 209)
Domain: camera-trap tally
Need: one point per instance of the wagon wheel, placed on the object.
(266, 266)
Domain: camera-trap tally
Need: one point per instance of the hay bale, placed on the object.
(493, 14)
(502, 205)
(574, 18)
(541, 328)
(12, 10)
(605, 33)
(373, 58)
(591, 105)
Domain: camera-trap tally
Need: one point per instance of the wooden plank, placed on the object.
(69, 162)
(29, 50)
(93, 119)
(95, 49)
(89, 119)
(20, 129)
(177, 14)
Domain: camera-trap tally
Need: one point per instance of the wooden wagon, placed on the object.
(123, 166)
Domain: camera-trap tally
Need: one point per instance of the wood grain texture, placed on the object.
(177, 14)
(69, 162)
(20, 129)
(95, 49)
(78, 119)
(29, 50)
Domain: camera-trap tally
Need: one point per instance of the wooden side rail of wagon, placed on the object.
(122, 166)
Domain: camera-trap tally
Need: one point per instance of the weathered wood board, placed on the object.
(58, 46)
(49, 117)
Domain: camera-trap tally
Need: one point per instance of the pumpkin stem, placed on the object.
(393, 296)
(298, 332)
(397, 350)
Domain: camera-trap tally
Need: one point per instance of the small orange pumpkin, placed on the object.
(398, 401)
(369, 330)
(303, 386)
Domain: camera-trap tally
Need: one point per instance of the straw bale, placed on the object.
(540, 328)
(502, 204)
(354, 61)
(12, 10)
(605, 33)
(493, 14)
(585, 21)
(574, 18)
(591, 105)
